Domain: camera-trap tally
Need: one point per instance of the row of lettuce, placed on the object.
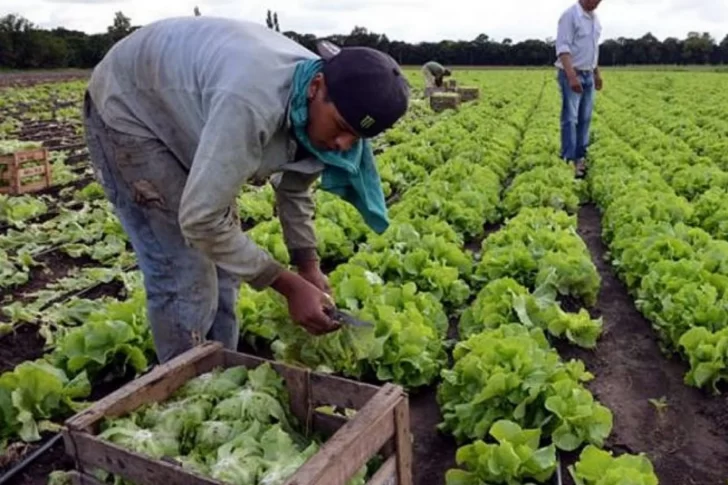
(676, 105)
(52, 102)
(506, 382)
(690, 153)
(675, 271)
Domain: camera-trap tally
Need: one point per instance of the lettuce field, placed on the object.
(538, 322)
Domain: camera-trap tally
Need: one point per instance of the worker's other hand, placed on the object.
(575, 84)
(598, 83)
(311, 272)
(306, 303)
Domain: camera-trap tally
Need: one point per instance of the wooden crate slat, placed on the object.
(403, 440)
(387, 474)
(354, 444)
(156, 385)
(325, 390)
(31, 155)
(93, 452)
(31, 171)
(24, 156)
(328, 424)
(329, 390)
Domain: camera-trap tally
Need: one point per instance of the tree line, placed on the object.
(24, 45)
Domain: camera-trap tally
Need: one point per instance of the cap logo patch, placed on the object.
(367, 122)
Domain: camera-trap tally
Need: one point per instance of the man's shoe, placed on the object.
(580, 168)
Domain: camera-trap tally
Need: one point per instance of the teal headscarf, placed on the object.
(352, 175)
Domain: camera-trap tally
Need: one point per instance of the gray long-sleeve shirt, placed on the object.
(435, 68)
(216, 92)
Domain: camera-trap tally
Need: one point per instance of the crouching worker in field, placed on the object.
(434, 73)
(183, 112)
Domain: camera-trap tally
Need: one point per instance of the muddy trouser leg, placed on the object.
(225, 327)
(189, 299)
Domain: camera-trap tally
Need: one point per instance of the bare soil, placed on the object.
(23, 344)
(688, 440)
(37, 471)
(433, 452)
(27, 79)
(53, 266)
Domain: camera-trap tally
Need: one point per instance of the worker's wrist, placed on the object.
(270, 273)
(285, 283)
(304, 258)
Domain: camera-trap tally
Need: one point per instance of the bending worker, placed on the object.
(183, 112)
(434, 73)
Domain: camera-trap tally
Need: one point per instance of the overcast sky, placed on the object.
(409, 20)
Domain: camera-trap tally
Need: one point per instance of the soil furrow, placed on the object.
(687, 440)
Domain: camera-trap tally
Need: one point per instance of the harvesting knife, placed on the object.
(341, 316)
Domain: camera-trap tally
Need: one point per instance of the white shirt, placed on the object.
(578, 34)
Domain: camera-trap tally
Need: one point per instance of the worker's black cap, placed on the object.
(366, 85)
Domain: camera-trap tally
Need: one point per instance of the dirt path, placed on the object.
(29, 79)
(434, 452)
(688, 440)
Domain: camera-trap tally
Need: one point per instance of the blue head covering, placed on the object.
(352, 175)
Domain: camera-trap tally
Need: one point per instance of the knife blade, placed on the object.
(341, 316)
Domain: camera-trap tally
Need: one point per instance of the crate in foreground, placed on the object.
(379, 427)
(25, 171)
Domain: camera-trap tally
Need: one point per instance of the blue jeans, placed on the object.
(576, 114)
(189, 299)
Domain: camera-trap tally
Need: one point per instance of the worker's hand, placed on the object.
(598, 83)
(306, 303)
(311, 272)
(575, 84)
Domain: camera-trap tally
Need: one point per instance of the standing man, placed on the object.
(577, 49)
(434, 72)
(183, 112)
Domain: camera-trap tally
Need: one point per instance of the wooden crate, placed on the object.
(451, 85)
(380, 425)
(441, 101)
(14, 170)
(468, 93)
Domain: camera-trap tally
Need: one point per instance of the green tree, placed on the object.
(723, 50)
(697, 48)
(120, 28)
(14, 40)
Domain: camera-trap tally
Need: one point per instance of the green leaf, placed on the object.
(461, 477)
